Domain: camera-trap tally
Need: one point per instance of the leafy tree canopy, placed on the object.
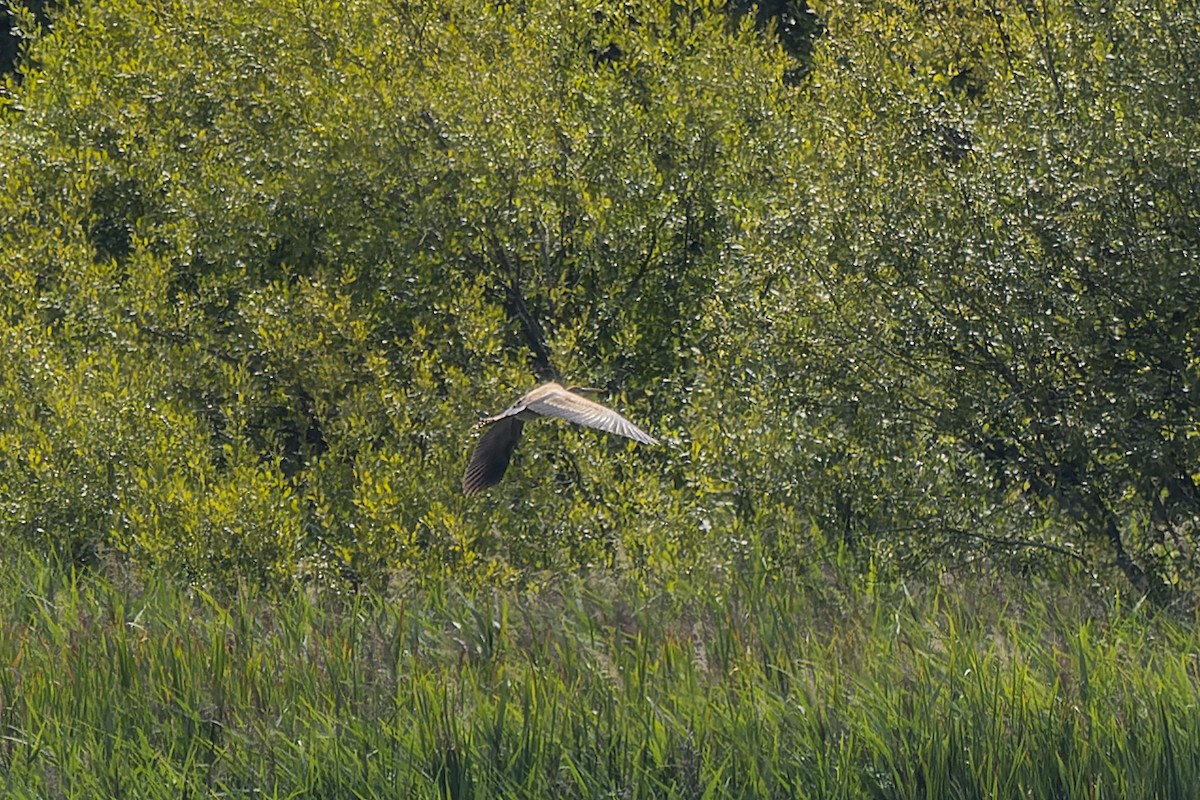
(929, 294)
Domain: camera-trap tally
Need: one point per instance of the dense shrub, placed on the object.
(929, 294)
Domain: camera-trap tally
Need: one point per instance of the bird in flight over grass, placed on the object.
(495, 447)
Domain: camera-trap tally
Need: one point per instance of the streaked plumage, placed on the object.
(495, 447)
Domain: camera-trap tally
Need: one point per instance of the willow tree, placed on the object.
(1003, 220)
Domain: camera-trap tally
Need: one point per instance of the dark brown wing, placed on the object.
(491, 455)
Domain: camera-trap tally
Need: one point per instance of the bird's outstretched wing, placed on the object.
(491, 455)
(573, 408)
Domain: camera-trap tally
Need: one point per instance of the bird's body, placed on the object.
(495, 447)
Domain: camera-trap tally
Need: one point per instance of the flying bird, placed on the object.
(495, 447)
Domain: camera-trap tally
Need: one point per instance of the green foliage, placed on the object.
(264, 264)
(925, 296)
(16, 23)
(1001, 238)
(810, 687)
(309, 245)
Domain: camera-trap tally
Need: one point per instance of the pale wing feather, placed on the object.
(581, 411)
(512, 411)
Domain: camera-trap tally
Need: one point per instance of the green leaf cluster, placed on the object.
(265, 264)
(930, 294)
(1005, 233)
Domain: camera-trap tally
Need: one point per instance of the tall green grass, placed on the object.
(601, 687)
